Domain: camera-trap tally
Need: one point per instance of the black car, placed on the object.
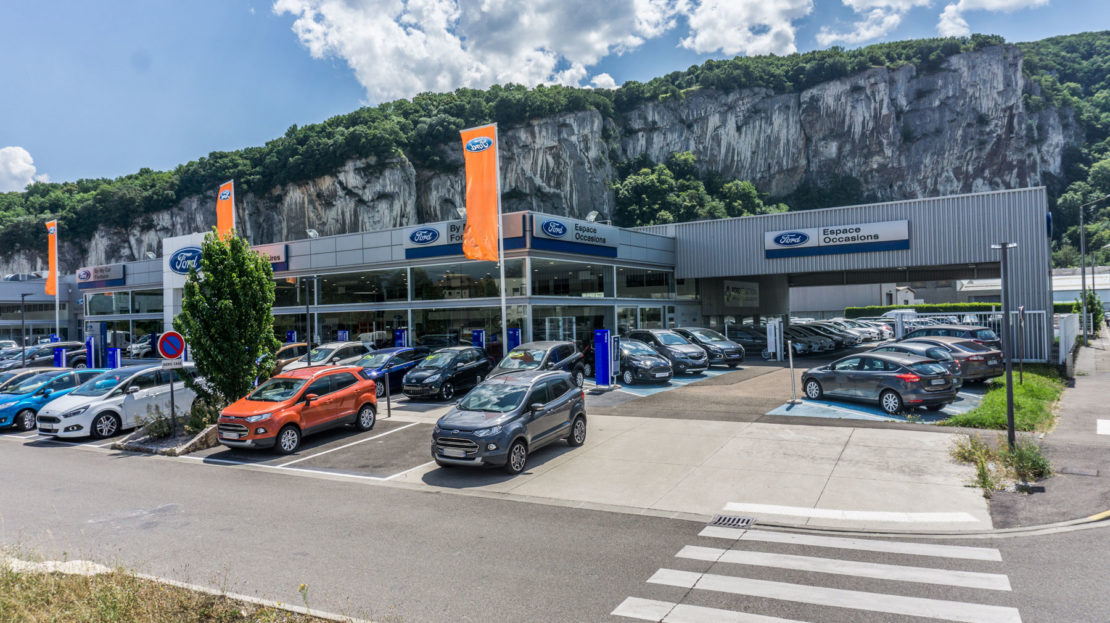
(509, 417)
(446, 371)
(685, 357)
(640, 363)
(894, 380)
(751, 339)
(550, 355)
(984, 335)
(42, 356)
(720, 349)
(923, 349)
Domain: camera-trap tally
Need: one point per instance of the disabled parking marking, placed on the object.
(838, 410)
(649, 389)
(353, 443)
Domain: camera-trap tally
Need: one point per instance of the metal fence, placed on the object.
(1031, 335)
(1068, 332)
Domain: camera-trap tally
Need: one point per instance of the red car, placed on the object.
(281, 411)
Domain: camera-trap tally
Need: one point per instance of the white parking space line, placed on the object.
(1103, 427)
(887, 547)
(829, 513)
(840, 598)
(879, 571)
(204, 459)
(353, 443)
(670, 612)
(412, 469)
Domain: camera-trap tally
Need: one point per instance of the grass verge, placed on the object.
(997, 466)
(1034, 402)
(34, 597)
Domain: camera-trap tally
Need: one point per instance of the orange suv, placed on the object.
(279, 412)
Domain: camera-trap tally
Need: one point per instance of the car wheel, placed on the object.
(518, 458)
(814, 390)
(366, 418)
(79, 364)
(588, 370)
(447, 392)
(579, 377)
(105, 425)
(288, 440)
(891, 402)
(935, 407)
(26, 420)
(628, 378)
(577, 435)
(379, 389)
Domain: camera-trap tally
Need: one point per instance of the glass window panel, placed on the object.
(466, 280)
(146, 302)
(107, 303)
(573, 323)
(436, 328)
(372, 327)
(289, 291)
(686, 289)
(643, 283)
(558, 278)
(375, 286)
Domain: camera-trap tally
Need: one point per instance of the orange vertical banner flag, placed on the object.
(52, 253)
(225, 209)
(483, 192)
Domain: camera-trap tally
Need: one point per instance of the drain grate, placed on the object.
(732, 521)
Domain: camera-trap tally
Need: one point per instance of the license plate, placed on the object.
(455, 453)
(661, 375)
(993, 362)
(230, 435)
(937, 382)
(44, 429)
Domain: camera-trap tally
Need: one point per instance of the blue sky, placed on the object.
(104, 89)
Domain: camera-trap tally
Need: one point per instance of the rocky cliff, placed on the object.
(901, 133)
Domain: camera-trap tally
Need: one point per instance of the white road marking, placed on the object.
(840, 598)
(863, 545)
(1104, 427)
(669, 612)
(353, 443)
(412, 469)
(828, 513)
(878, 571)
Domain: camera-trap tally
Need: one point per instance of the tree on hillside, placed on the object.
(226, 318)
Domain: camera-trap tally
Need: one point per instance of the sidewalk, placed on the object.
(1080, 456)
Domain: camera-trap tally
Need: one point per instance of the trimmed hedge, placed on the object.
(940, 308)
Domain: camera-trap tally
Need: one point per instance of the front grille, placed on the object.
(49, 419)
(455, 442)
(697, 356)
(235, 429)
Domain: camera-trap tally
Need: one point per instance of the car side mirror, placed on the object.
(459, 364)
(46, 391)
(549, 364)
(132, 390)
(536, 407)
(310, 397)
(335, 359)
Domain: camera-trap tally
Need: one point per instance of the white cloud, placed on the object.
(17, 169)
(603, 81)
(744, 26)
(880, 17)
(398, 48)
(953, 24)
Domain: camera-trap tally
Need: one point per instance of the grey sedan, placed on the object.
(894, 380)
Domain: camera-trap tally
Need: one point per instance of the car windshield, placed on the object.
(437, 360)
(374, 360)
(498, 397)
(276, 390)
(31, 385)
(522, 359)
(939, 354)
(636, 348)
(671, 339)
(707, 335)
(985, 334)
(928, 368)
(101, 384)
(319, 354)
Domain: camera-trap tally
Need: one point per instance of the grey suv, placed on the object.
(686, 358)
(504, 419)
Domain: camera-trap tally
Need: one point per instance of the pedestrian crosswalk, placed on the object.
(761, 574)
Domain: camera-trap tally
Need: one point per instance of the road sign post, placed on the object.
(171, 346)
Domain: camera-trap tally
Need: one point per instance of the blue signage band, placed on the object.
(887, 245)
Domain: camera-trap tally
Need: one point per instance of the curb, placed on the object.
(202, 440)
(1098, 520)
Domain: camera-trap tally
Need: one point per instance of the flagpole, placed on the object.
(501, 248)
(57, 270)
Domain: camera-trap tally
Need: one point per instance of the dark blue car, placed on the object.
(392, 364)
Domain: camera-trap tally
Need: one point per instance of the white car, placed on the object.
(331, 354)
(4, 344)
(116, 400)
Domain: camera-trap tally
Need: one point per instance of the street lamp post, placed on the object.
(1083, 263)
(1007, 343)
(23, 328)
(307, 311)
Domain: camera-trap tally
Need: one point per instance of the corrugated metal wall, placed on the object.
(944, 231)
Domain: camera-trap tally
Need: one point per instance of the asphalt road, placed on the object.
(394, 554)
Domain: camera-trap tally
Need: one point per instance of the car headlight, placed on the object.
(261, 417)
(713, 349)
(75, 412)
(486, 432)
(433, 378)
(641, 364)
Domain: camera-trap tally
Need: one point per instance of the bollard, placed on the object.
(388, 404)
(793, 390)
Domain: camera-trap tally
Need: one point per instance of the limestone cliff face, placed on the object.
(901, 133)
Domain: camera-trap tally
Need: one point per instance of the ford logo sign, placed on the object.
(184, 259)
(555, 229)
(791, 239)
(84, 274)
(424, 235)
(479, 143)
(225, 195)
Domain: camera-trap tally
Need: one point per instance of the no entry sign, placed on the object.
(171, 345)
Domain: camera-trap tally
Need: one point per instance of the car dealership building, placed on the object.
(566, 277)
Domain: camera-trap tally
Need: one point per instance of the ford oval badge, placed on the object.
(424, 235)
(225, 195)
(479, 143)
(84, 274)
(184, 259)
(791, 239)
(553, 228)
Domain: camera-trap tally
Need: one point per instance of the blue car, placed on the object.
(392, 363)
(20, 403)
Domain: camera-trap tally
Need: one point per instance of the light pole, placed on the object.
(1007, 344)
(1083, 263)
(307, 312)
(23, 328)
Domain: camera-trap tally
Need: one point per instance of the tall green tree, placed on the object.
(227, 319)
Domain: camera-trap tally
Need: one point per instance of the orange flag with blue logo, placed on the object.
(52, 253)
(225, 209)
(483, 190)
